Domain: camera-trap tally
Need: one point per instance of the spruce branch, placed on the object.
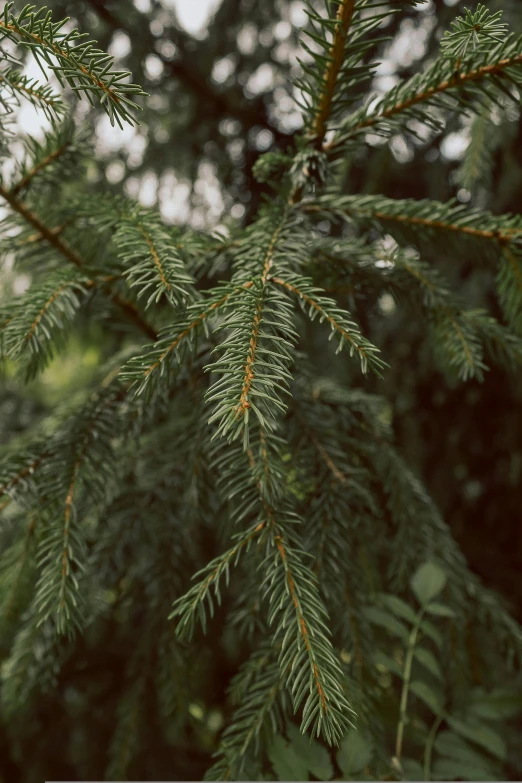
(466, 74)
(328, 310)
(486, 136)
(473, 30)
(509, 284)
(313, 674)
(51, 237)
(70, 475)
(56, 591)
(457, 333)
(338, 67)
(258, 693)
(37, 168)
(252, 379)
(454, 82)
(431, 217)
(344, 16)
(152, 262)
(16, 471)
(147, 370)
(58, 157)
(32, 665)
(192, 604)
(42, 96)
(16, 576)
(73, 59)
(37, 321)
(61, 246)
(497, 238)
(256, 352)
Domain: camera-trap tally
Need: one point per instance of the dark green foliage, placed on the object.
(207, 444)
(73, 58)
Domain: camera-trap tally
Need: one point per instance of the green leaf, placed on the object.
(497, 704)
(428, 696)
(314, 755)
(482, 735)
(428, 581)
(286, 761)
(431, 632)
(387, 621)
(354, 754)
(412, 769)
(451, 769)
(450, 744)
(440, 609)
(399, 607)
(428, 660)
(381, 659)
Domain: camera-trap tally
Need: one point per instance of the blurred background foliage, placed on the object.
(217, 75)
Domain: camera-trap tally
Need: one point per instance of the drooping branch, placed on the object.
(54, 239)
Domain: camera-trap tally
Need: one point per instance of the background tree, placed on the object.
(127, 547)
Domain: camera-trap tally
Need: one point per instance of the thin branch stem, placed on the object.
(249, 373)
(429, 746)
(406, 685)
(500, 236)
(319, 309)
(32, 38)
(53, 238)
(193, 325)
(457, 80)
(54, 155)
(344, 17)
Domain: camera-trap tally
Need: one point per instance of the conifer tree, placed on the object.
(207, 492)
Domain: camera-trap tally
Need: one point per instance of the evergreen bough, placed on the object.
(215, 449)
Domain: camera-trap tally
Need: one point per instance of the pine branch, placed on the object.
(258, 693)
(84, 68)
(341, 41)
(153, 264)
(430, 217)
(147, 370)
(41, 96)
(339, 321)
(63, 145)
(488, 71)
(62, 247)
(344, 16)
(39, 318)
(256, 352)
